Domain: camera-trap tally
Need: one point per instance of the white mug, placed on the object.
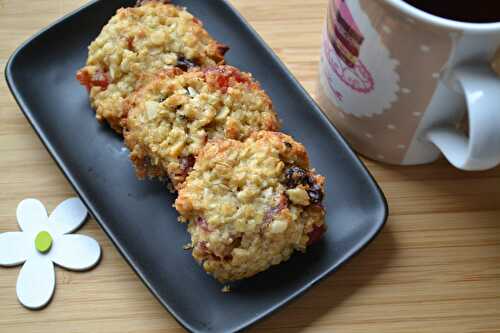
(397, 81)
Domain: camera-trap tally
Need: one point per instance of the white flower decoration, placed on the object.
(44, 240)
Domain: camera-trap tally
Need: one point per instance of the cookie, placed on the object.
(250, 204)
(135, 44)
(172, 118)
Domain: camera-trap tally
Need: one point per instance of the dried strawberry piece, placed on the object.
(240, 78)
(223, 82)
(84, 78)
(100, 79)
(223, 77)
(315, 234)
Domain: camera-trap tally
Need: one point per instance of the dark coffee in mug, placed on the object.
(481, 11)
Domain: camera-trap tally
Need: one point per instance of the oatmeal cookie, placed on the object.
(135, 44)
(171, 119)
(250, 204)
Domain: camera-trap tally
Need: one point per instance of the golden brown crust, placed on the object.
(173, 117)
(251, 204)
(135, 44)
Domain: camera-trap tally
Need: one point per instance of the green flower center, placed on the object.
(43, 242)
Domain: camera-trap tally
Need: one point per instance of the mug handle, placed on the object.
(481, 150)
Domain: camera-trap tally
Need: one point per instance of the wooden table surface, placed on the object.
(434, 268)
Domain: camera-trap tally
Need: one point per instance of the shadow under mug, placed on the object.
(397, 82)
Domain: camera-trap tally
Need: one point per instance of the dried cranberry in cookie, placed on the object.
(250, 204)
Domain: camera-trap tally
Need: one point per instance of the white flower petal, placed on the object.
(15, 248)
(75, 252)
(31, 215)
(36, 282)
(68, 216)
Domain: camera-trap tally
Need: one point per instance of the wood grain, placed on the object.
(435, 267)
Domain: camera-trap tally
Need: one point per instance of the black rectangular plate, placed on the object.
(138, 215)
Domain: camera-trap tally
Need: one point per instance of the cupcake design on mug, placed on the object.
(345, 35)
(350, 74)
(346, 39)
